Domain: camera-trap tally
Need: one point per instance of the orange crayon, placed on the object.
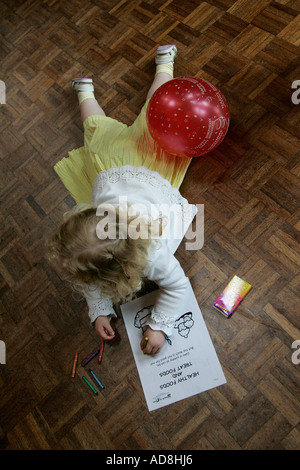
(74, 365)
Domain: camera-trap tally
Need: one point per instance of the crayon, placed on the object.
(90, 358)
(74, 365)
(146, 341)
(90, 385)
(96, 379)
(101, 352)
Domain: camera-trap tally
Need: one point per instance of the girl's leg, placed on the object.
(88, 104)
(159, 80)
(164, 67)
(90, 107)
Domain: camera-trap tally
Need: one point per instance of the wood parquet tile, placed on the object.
(250, 189)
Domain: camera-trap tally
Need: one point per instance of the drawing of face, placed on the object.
(142, 318)
(184, 323)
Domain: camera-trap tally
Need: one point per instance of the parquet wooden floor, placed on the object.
(249, 185)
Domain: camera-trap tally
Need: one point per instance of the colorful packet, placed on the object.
(232, 295)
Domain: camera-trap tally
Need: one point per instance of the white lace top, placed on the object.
(154, 193)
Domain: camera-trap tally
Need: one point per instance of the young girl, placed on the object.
(117, 167)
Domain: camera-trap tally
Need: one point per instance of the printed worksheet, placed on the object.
(186, 365)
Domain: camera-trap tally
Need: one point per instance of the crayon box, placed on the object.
(232, 295)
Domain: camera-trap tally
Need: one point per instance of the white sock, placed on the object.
(84, 95)
(166, 68)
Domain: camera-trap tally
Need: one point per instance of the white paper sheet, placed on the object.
(185, 366)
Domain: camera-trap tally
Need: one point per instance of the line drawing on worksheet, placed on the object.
(183, 324)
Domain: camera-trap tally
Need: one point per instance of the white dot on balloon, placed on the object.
(187, 127)
(195, 115)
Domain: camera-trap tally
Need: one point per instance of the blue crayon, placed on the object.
(96, 379)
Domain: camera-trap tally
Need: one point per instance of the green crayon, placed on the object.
(90, 385)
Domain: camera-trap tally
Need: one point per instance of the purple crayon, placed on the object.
(90, 358)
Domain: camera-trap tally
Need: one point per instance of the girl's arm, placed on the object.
(98, 305)
(103, 328)
(167, 273)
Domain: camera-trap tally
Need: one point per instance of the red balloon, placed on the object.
(188, 117)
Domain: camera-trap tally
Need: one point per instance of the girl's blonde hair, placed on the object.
(115, 266)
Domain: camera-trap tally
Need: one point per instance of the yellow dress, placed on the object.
(109, 143)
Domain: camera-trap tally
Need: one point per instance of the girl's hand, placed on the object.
(103, 328)
(155, 341)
